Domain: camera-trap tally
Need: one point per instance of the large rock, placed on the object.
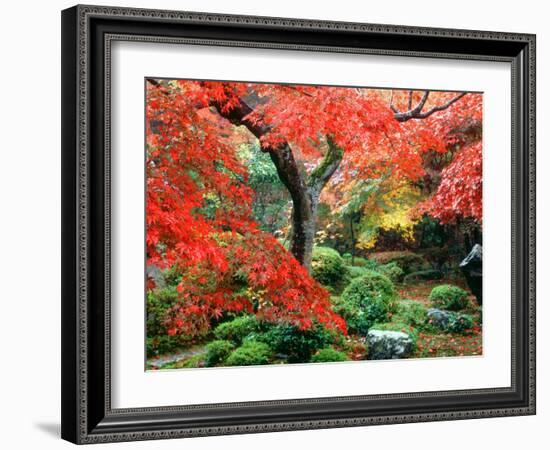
(439, 318)
(472, 269)
(388, 344)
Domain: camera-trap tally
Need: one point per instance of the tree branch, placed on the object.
(441, 107)
(326, 167)
(158, 85)
(239, 115)
(300, 92)
(392, 107)
(416, 112)
(282, 156)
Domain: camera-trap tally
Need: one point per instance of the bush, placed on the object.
(441, 257)
(251, 353)
(459, 323)
(368, 264)
(217, 352)
(367, 300)
(392, 271)
(413, 313)
(237, 329)
(159, 302)
(161, 344)
(359, 261)
(449, 297)
(408, 261)
(354, 272)
(297, 345)
(329, 355)
(425, 275)
(327, 266)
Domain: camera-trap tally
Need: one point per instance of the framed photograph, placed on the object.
(281, 224)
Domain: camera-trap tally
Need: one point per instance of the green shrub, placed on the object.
(423, 275)
(392, 271)
(354, 272)
(366, 263)
(359, 261)
(449, 297)
(408, 261)
(159, 302)
(297, 345)
(237, 329)
(459, 323)
(327, 266)
(367, 300)
(329, 355)
(149, 346)
(217, 352)
(161, 344)
(172, 276)
(333, 290)
(440, 257)
(401, 327)
(251, 353)
(413, 313)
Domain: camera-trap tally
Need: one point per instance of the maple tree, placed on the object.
(444, 170)
(191, 166)
(199, 203)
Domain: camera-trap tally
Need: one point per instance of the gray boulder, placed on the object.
(384, 344)
(439, 318)
(472, 268)
(450, 321)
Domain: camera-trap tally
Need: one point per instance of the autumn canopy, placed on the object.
(379, 159)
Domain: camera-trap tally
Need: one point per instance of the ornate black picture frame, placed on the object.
(87, 34)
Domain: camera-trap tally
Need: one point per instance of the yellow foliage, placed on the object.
(367, 242)
(391, 211)
(400, 220)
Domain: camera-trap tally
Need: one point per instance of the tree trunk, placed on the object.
(304, 190)
(305, 202)
(304, 214)
(352, 235)
(304, 205)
